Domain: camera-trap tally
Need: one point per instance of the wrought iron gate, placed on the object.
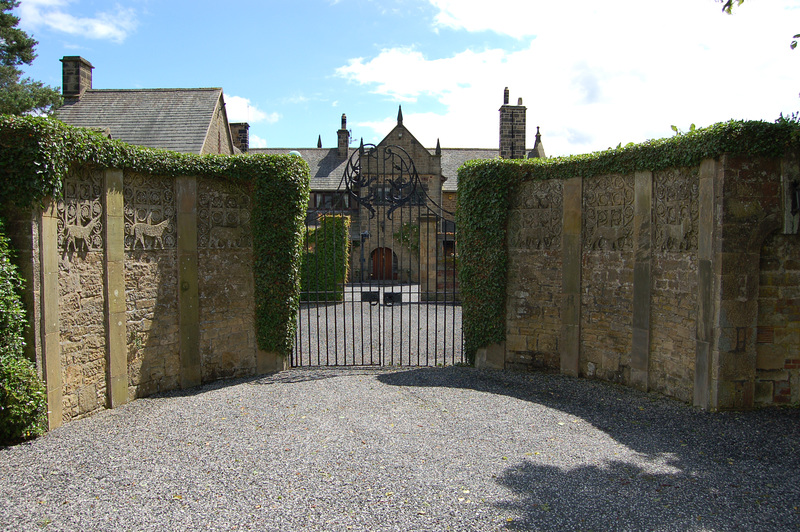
(379, 270)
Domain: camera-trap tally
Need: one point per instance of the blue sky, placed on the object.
(592, 74)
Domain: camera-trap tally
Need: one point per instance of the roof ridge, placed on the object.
(158, 90)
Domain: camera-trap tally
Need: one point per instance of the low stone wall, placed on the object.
(138, 284)
(684, 281)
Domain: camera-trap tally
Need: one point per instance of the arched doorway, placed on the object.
(383, 261)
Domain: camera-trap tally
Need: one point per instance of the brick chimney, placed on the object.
(344, 138)
(512, 129)
(76, 76)
(240, 134)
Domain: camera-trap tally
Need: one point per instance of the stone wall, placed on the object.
(138, 284)
(684, 281)
(218, 138)
(81, 311)
(227, 329)
(151, 285)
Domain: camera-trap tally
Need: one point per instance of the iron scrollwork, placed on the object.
(383, 175)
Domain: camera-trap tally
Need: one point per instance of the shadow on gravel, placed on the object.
(711, 471)
(315, 374)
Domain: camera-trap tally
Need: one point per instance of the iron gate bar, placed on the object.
(380, 182)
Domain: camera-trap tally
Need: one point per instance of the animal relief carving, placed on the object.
(76, 232)
(222, 237)
(141, 230)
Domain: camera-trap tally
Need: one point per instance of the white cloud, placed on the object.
(240, 109)
(113, 25)
(596, 74)
(257, 142)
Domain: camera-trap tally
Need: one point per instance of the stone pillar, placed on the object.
(706, 288)
(571, 277)
(642, 239)
(51, 335)
(116, 345)
(188, 295)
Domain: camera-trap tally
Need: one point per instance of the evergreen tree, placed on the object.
(20, 95)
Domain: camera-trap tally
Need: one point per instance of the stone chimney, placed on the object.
(344, 138)
(512, 129)
(76, 77)
(240, 134)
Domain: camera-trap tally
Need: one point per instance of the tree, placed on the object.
(20, 95)
(727, 7)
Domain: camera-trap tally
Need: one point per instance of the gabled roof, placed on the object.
(170, 119)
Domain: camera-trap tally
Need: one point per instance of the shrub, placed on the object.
(23, 400)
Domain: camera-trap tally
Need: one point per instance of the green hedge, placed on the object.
(37, 153)
(326, 258)
(23, 401)
(484, 188)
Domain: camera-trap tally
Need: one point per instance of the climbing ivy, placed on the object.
(37, 153)
(408, 236)
(483, 193)
(326, 257)
(484, 188)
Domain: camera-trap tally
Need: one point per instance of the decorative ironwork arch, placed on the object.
(384, 175)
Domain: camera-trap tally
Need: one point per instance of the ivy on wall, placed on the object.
(326, 257)
(408, 236)
(484, 188)
(37, 153)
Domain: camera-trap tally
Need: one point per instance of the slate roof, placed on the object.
(170, 119)
(453, 158)
(327, 168)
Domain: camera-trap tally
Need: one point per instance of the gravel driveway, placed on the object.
(408, 449)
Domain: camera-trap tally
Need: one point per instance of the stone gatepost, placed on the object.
(51, 334)
(428, 254)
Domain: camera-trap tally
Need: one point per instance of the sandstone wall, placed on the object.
(683, 281)
(137, 284)
(225, 271)
(151, 285)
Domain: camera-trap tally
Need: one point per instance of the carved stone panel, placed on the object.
(608, 212)
(676, 205)
(536, 216)
(223, 216)
(80, 211)
(150, 214)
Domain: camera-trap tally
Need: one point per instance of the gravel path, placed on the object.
(408, 449)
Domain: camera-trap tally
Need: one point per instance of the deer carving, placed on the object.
(80, 232)
(140, 230)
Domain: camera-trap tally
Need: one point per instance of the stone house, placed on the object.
(384, 257)
(181, 120)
